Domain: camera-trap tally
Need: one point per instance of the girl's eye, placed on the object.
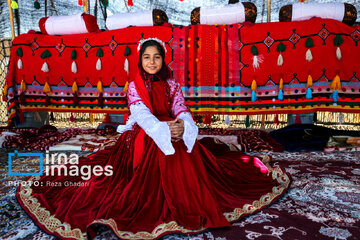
(157, 57)
(146, 57)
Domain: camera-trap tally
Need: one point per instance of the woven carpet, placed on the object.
(322, 203)
(73, 139)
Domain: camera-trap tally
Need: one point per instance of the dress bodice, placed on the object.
(160, 101)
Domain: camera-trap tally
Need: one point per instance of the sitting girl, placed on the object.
(164, 181)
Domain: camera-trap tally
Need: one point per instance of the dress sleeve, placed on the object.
(178, 102)
(132, 97)
(157, 130)
(132, 94)
(181, 111)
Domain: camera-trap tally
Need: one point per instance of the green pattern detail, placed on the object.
(309, 42)
(73, 54)
(19, 52)
(338, 40)
(127, 51)
(45, 54)
(281, 47)
(254, 50)
(99, 53)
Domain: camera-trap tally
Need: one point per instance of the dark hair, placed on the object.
(164, 72)
(152, 43)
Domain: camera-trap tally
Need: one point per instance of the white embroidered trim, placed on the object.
(141, 42)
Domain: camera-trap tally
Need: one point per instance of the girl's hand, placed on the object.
(176, 129)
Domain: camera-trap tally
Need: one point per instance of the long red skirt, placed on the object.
(180, 193)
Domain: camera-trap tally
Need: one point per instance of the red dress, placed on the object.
(180, 193)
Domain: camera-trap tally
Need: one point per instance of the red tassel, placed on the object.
(4, 98)
(276, 119)
(47, 100)
(207, 119)
(298, 119)
(72, 118)
(80, 2)
(130, 3)
(100, 100)
(75, 99)
(22, 117)
(107, 118)
(22, 98)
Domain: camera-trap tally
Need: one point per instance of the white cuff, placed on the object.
(191, 130)
(157, 130)
(128, 126)
(160, 133)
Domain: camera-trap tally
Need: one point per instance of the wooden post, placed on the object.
(262, 126)
(126, 5)
(11, 14)
(268, 10)
(85, 3)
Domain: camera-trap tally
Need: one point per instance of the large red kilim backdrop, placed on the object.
(216, 66)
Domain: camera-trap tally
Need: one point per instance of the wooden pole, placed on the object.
(127, 8)
(263, 121)
(11, 14)
(268, 10)
(85, 3)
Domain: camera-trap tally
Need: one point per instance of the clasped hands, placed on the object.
(176, 129)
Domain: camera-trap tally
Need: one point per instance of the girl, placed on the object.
(164, 181)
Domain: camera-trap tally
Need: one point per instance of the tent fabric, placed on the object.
(178, 11)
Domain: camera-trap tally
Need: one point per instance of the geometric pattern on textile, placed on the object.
(88, 85)
(324, 33)
(355, 36)
(113, 44)
(62, 84)
(60, 47)
(86, 47)
(222, 92)
(268, 41)
(34, 45)
(294, 38)
(213, 64)
(60, 77)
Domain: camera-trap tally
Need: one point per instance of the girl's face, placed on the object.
(151, 60)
